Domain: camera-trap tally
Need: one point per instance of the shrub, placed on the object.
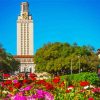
(91, 77)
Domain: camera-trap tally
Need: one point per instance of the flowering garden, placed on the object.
(55, 88)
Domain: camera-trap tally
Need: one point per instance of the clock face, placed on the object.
(25, 16)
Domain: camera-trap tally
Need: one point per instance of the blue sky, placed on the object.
(54, 21)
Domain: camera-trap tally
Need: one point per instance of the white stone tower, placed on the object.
(25, 45)
(24, 31)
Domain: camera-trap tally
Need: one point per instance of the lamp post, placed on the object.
(79, 63)
(98, 67)
(71, 67)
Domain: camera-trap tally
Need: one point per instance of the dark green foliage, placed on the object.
(7, 63)
(56, 58)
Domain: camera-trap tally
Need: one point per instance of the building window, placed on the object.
(27, 28)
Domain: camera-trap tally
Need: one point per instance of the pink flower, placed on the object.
(27, 88)
(15, 81)
(2, 84)
(12, 97)
(41, 94)
(20, 96)
(48, 96)
(96, 90)
(21, 89)
(30, 98)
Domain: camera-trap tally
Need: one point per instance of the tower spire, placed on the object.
(24, 7)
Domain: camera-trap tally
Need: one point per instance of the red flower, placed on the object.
(84, 83)
(90, 98)
(8, 82)
(25, 81)
(42, 82)
(49, 86)
(67, 91)
(6, 75)
(62, 84)
(33, 78)
(31, 75)
(17, 85)
(10, 88)
(83, 90)
(56, 79)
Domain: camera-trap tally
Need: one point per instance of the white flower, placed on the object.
(86, 87)
(91, 86)
(5, 92)
(70, 87)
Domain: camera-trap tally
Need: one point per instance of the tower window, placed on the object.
(25, 8)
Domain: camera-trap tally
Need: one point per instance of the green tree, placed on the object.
(7, 63)
(57, 58)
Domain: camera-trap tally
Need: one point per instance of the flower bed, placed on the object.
(54, 89)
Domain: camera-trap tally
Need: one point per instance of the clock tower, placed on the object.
(25, 37)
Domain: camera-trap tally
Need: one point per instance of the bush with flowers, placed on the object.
(54, 89)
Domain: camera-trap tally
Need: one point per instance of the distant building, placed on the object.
(25, 45)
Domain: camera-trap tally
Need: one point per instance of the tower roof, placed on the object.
(24, 3)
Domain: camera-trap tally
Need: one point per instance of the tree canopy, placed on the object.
(7, 63)
(59, 57)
